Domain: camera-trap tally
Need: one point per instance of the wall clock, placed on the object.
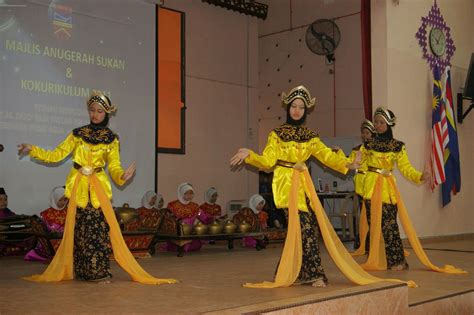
(434, 32)
(437, 41)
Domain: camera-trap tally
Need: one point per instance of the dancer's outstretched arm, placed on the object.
(58, 154)
(265, 161)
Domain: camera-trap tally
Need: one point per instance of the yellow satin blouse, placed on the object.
(384, 155)
(293, 144)
(85, 153)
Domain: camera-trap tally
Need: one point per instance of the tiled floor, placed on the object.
(211, 280)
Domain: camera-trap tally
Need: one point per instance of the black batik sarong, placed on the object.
(91, 245)
(311, 269)
(360, 200)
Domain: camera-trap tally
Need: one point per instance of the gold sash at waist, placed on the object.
(87, 170)
(298, 165)
(285, 163)
(381, 171)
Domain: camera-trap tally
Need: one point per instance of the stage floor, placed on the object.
(211, 282)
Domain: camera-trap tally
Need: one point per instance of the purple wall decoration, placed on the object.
(434, 19)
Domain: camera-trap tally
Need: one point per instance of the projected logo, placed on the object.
(7, 18)
(61, 17)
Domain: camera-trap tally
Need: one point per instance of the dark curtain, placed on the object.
(366, 57)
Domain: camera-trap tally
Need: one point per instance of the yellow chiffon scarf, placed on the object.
(61, 267)
(291, 259)
(377, 257)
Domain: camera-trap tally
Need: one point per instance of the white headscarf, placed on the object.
(182, 189)
(208, 195)
(147, 198)
(254, 201)
(158, 198)
(56, 194)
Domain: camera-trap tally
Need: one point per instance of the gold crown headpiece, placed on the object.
(387, 115)
(298, 92)
(100, 99)
(367, 124)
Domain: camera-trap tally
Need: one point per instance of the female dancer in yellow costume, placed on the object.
(382, 201)
(288, 148)
(367, 132)
(91, 224)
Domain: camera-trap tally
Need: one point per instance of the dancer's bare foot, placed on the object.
(399, 267)
(105, 281)
(319, 283)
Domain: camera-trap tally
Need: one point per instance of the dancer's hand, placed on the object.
(426, 173)
(24, 149)
(241, 155)
(356, 164)
(129, 172)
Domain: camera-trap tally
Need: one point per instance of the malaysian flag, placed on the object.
(439, 132)
(452, 163)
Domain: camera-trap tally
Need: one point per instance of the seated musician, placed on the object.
(9, 247)
(256, 204)
(4, 211)
(184, 208)
(210, 211)
(54, 218)
(187, 211)
(148, 213)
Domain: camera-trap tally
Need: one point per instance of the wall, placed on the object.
(402, 80)
(285, 62)
(221, 91)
